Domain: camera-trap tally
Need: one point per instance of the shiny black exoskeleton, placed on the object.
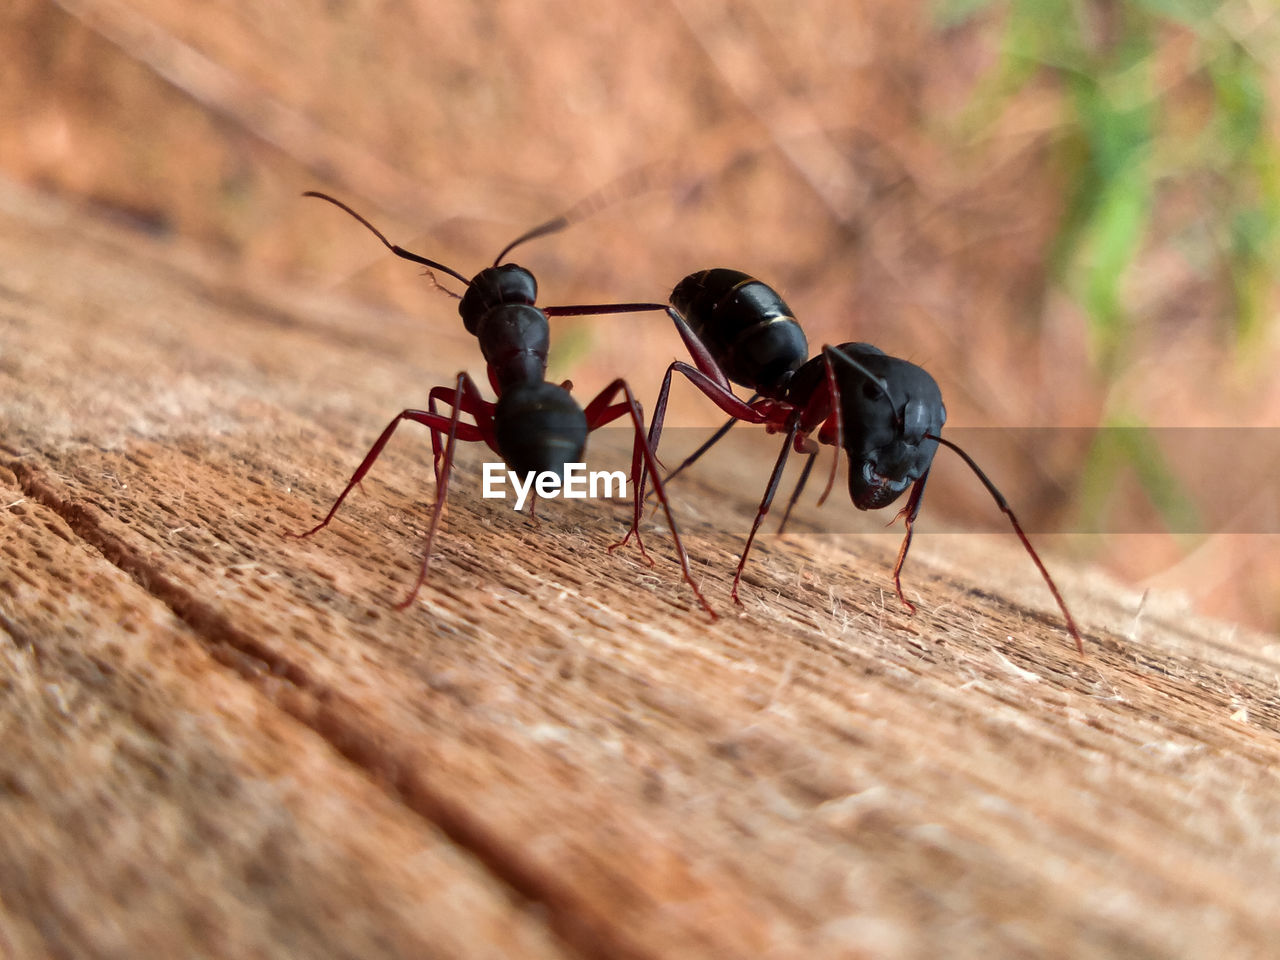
(536, 426)
(745, 326)
(752, 335)
(887, 437)
(886, 413)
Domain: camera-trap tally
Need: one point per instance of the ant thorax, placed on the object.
(493, 287)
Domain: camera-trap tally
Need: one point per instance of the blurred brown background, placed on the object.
(1066, 212)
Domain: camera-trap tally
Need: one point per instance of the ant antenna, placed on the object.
(636, 181)
(397, 250)
(1017, 528)
(551, 226)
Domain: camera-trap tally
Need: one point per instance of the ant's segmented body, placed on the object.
(535, 426)
(884, 412)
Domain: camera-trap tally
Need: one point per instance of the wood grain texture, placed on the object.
(221, 742)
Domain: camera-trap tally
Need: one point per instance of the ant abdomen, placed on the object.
(746, 325)
(539, 428)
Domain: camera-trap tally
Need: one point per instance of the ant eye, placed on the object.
(870, 390)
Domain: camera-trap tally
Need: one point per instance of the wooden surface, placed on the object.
(219, 742)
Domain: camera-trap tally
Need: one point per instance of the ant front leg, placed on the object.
(715, 388)
(908, 513)
(794, 423)
(800, 484)
(428, 418)
(793, 431)
(480, 409)
(707, 377)
(466, 399)
(603, 410)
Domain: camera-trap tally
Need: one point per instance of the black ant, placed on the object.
(536, 426)
(884, 412)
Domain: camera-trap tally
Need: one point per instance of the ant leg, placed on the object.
(711, 380)
(795, 494)
(481, 411)
(694, 457)
(639, 469)
(599, 309)
(427, 418)
(698, 351)
(723, 397)
(438, 395)
(909, 512)
(774, 479)
(822, 408)
(710, 442)
(464, 395)
(600, 411)
(720, 394)
(837, 414)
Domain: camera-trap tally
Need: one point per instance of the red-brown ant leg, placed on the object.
(795, 494)
(427, 418)
(600, 411)
(442, 487)
(837, 414)
(823, 408)
(638, 474)
(720, 395)
(774, 479)
(909, 512)
(473, 403)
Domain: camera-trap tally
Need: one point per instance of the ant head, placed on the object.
(890, 411)
(494, 287)
(504, 283)
(539, 428)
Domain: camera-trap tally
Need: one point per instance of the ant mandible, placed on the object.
(884, 412)
(535, 426)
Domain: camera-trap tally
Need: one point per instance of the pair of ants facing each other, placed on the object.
(884, 412)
